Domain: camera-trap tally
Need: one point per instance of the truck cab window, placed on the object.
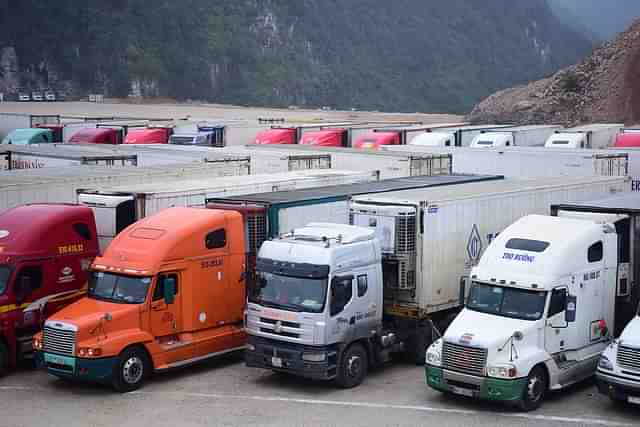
(362, 285)
(158, 292)
(341, 293)
(596, 252)
(82, 230)
(29, 279)
(216, 239)
(558, 302)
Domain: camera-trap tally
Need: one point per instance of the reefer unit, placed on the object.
(432, 237)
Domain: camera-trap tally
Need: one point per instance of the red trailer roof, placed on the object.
(376, 139)
(93, 136)
(276, 136)
(323, 138)
(51, 227)
(627, 139)
(148, 136)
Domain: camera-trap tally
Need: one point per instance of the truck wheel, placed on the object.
(534, 390)
(4, 359)
(353, 367)
(132, 370)
(421, 342)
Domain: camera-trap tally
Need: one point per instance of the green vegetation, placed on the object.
(404, 55)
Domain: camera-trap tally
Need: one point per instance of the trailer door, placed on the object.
(113, 214)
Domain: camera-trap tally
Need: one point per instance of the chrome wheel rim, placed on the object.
(354, 366)
(535, 388)
(132, 370)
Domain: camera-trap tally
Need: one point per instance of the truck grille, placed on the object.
(464, 359)
(59, 341)
(629, 358)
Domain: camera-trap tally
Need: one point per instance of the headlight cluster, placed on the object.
(89, 352)
(434, 353)
(605, 363)
(502, 371)
(314, 357)
(37, 343)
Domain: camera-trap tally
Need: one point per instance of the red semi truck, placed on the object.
(106, 133)
(149, 135)
(43, 267)
(628, 138)
(293, 134)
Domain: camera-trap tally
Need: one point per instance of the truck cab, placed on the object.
(151, 135)
(434, 139)
(276, 136)
(29, 137)
(493, 140)
(42, 268)
(98, 135)
(540, 309)
(316, 303)
(628, 138)
(373, 140)
(326, 138)
(568, 140)
(56, 129)
(153, 310)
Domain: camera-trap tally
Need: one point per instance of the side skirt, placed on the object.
(187, 362)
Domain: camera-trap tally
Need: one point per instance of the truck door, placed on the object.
(624, 306)
(165, 317)
(557, 328)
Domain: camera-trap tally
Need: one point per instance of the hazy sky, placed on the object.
(605, 18)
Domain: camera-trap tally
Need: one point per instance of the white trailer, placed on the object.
(11, 121)
(523, 136)
(53, 155)
(531, 162)
(59, 185)
(389, 164)
(461, 136)
(116, 207)
(599, 135)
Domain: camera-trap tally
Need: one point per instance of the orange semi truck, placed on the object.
(168, 291)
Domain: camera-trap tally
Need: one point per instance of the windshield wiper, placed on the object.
(272, 304)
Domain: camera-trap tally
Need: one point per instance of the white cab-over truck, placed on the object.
(333, 300)
(545, 300)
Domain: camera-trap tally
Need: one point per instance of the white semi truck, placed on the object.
(332, 300)
(459, 136)
(598, 135)
(522, 136)
(545, 300)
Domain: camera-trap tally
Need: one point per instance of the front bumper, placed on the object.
(75, 368)
(472, 386)
(617, 387)
(287, 357)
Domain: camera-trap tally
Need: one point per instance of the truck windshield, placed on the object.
(4, 278)
(118, 288)
(507, 302)
(290, 293)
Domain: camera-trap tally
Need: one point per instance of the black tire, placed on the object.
(353, 367)
(535, 390)
(420, 343)
(4, 359)
(132, 369)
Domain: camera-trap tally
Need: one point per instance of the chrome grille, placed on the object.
(629, 358)
(59, 341)
(461, 358)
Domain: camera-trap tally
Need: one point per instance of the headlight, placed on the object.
(605, 363)
(502, 371)
(434, 353)
(89, 352)
(314, 357)
(37, 344)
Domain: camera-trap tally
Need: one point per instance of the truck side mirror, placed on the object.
(463, 291)
(169, 290)
(570, 312)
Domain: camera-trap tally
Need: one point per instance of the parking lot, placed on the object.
(225, 392)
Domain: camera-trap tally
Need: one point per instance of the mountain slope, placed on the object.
(406, 55)
(604, 87)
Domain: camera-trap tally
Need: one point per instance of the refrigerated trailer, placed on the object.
(390, 165)
(117, 207)
(59, 184)
(12, 121)
(532, 162)
(52, 155)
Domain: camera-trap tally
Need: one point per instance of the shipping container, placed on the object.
(390, 164)
(432, 237)
(117, 207)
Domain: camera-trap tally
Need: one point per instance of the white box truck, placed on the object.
(547, 297)
(598, 135)
(331, 299)
(532, 162)
(390, 164)
(117, 207)
(522, 136)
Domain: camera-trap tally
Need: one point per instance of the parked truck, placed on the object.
(111, 133)
(117, 207)
(30, 136)
(600, 135)
(457, 136)
(149, 135)
(546, 299)
(523, 136)
(628, 138)
(331, 300)
(205, 135)
(397, 135)
(12, 121)
(153, 310)
(287, 135)
(43, 267)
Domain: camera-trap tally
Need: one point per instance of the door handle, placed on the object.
(158, 307)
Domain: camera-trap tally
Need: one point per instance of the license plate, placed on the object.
(634, 400)
(462, 391)
(276, 362)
